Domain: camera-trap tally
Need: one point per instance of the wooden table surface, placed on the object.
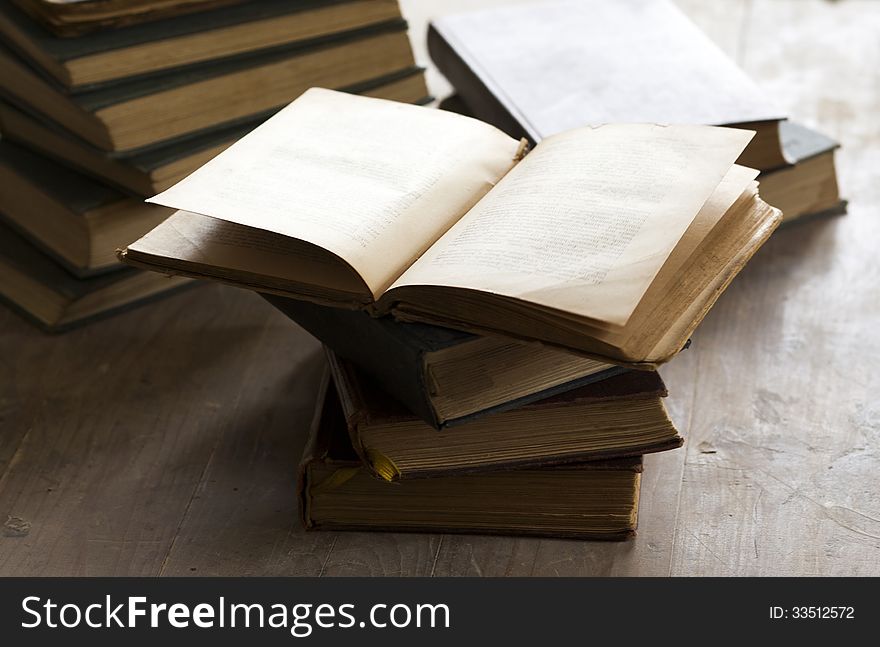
(164, 441)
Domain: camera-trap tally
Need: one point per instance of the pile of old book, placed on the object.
(104, 103)
(494, 315)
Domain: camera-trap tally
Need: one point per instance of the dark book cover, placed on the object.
(393, 353)
(802, 143)
(69, 19)
(78, 193)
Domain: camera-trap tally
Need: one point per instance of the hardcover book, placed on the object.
(612, 242)
(535, 70)
(336, 492)
(155, 168)
(118, 54)
(78, 221)
(444, 376)
(76, 17)
(145, 111)
(46, 294)
(617, 417)
(808, 188)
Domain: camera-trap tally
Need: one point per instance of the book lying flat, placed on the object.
(613, 418)
(155, 168)
(185, 40)
(809, 187)
(595, 500)
(76, 17)
(538, 69)
(49, 296)
(446, 377)
(78, 221)
(612, 242)
(142, 112)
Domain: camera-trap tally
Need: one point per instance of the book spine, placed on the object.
(481, 101)
(372, 345)
(314, 451)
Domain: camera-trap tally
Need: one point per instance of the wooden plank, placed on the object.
(243, 517)
(782, 465)
(123, 416)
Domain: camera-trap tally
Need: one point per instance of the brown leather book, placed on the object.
(597, 500)
(620, 416)
(538, 69)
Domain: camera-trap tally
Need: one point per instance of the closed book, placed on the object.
(152, 169)
(52, 298)
(71, 18)
(444, 376)
(80, 222)
(617, 417)
(591, 500)
(158, 108)
(113, 55)
(538, 69)
(809, 187)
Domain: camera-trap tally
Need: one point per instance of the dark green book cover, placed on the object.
(393, 353)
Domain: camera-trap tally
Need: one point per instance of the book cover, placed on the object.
(398, 357)
(535, 70)
(620, 416)
(336, 493)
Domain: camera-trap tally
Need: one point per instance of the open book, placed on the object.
(611, 241)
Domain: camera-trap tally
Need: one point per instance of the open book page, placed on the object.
(584, 223)
(737, 181)
(375, 182)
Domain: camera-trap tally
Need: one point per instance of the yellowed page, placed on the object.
(198, 242)
(375, 182)
(737, 181)
(585, 222)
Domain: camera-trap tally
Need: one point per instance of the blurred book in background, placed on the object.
(106, 103)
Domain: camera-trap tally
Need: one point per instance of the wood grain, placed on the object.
(165, 440)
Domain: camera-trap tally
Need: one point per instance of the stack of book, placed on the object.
(495, 315)
(589, 62)
(106, 103)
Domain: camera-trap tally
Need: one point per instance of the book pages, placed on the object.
(585, 222)
(375, 182)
